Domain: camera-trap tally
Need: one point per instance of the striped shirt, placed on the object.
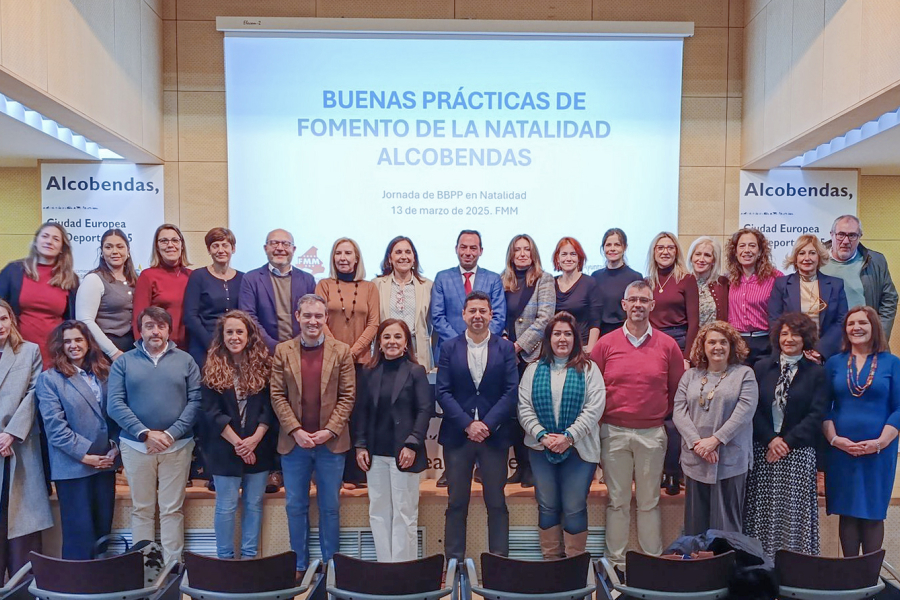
(748, 303)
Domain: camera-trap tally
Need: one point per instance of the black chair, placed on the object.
(809, 577)
(116, 578)
(656, 578)
(269, 578)
(353, 579)
(17, 586)
(509, 579)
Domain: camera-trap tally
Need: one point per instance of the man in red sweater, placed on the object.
(641, 369)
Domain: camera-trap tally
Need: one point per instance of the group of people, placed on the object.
(715, 369)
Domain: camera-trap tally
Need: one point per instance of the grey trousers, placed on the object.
(714, 506)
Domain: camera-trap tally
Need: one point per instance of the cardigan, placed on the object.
(807, 403)
(364, 315)
(206, 298)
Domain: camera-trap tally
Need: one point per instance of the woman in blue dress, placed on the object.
(862, 430)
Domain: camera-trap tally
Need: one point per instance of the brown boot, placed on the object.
(575, 542)
(552, 543)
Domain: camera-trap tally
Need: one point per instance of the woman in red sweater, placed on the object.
(162, 284)
(41, 287)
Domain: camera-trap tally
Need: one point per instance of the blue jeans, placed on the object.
(561, 491)
(298, 466)
(227, 489)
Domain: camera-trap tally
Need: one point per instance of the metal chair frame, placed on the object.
(287, 594)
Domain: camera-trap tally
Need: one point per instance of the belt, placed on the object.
(753, 334)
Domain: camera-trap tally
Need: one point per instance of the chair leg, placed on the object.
(575, 542)
(552, 546)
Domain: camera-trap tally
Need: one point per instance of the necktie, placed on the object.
(468, 277)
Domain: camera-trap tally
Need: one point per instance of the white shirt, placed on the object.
(462, 273)
(636, 342)
(477, 355)
(277, 272)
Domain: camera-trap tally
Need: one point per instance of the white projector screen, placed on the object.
(422, 136)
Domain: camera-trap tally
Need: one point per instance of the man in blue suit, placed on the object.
(477, 387)
(453, 285)
(269, 294)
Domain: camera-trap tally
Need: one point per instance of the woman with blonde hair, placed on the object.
(530, 303)
(354, 313)
(809, 291)
(41, 287)
(714, 408)
(239, 436)
(705, 264)
(751, 276)
(163, 283)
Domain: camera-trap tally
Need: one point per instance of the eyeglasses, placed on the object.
(666, 248)
(847, 236)
(638, 300)
(167, 241)
(280, 243)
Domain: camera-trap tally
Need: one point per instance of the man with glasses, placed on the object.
(641, 371)
(867, 280)
(270, 293)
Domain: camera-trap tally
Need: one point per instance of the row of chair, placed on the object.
(575, 578)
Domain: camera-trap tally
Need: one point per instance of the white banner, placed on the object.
(786, 203)
(88, 199)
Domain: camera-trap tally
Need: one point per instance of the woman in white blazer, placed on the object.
(24, 505)
(406, 295)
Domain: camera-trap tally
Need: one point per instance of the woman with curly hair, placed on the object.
(751, 275)
(239, 437)
(782, 508)
(714, 408)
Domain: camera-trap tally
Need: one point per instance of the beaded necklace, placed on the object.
(341, 298)
(705, 401)
(857, 390)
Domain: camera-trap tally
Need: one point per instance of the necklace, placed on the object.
(857, 390)
(663, 285)
(705, 401)
(352, 306)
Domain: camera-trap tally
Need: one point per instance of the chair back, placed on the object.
(99, 576)
(388, 579)
(823, 573)
(667, 575)
(269, 574)
(534, 577)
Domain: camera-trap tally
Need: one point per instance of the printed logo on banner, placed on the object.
(787, 203)
(88, 199)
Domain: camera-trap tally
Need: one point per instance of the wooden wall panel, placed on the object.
(704, 13)
(732, 199)
(388, 9)
(23, 39)
(550, 10)
(201, 57)
(170, 126)
(701, 201)
(736, 13)
(733, 132)
(170, 55)
(169, 11)
(20, 201)
(706, 63)
(735, 62)
(207, 10)
(807, 71)
(203, 195)
(201, 126)
(703, 131)
(172, 200)
(753, 109)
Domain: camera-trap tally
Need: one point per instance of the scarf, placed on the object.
(789, 366)
(570, 406)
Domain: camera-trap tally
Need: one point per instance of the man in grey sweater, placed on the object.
(154, 395)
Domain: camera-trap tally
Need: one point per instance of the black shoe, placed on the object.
(442, 481)
(620, 574)
(211, 485)
(528, 479)
(673, 488)
(516, 477)
(274, 482)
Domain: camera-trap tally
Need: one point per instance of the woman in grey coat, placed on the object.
(714, 408)
(24, 505)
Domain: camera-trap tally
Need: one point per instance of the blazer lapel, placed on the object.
(328, 357)
(456, 276)
(399, 380)
(267, 286)
(84, 389)
(294, 360)
(6, 361)
(375, 386)
(793, 290)
(384, 295)
(493, 355)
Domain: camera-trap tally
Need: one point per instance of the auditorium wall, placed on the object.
(194, 137)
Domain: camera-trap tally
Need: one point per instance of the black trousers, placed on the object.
(459, 463)
(520, 450)
(758, 347)
(672, 465)
(13, 552)
(86, 509)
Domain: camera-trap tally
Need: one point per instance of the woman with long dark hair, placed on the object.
(81, 437)
(238, 428)
(561, 401)
(613, 280)
(393, 407)
(41, 287)
(105, 301)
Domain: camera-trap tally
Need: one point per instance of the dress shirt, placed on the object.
(277, 273)
(319, 342)
(748, 303)
(636, 342)
(91, 380)
(462, 273)
(477, 355)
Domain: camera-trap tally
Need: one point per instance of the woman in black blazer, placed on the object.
(393, 407)
(238, 430)
(781, 506)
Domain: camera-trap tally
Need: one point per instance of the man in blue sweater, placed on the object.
(154, 396)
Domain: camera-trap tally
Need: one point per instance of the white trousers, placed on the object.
(393, 510)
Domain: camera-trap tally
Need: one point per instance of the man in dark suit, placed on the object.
(451, 286)
(477, 384)
(270, 293)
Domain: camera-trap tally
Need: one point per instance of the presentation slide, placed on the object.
(425, 136)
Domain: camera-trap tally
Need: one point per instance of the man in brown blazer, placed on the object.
(313, 390)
